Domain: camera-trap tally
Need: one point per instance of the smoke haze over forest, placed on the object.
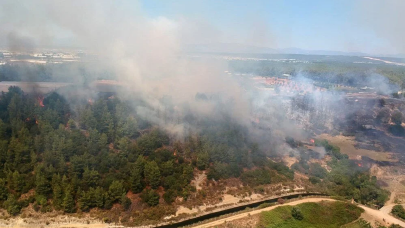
(146, 54)
(152, 112)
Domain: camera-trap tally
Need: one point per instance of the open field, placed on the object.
(256, 212)
(322, 215)
(252, 218)
(346, 145)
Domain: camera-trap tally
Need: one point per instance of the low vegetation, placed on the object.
(360, 223)
(398, 211)
(340, 70)
(347, 178)
(322, 215)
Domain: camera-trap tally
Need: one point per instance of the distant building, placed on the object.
(7, 55)
(285, 76)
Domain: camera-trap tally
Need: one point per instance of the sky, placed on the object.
(339, 25)
(369, 26)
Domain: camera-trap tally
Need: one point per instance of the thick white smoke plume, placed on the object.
(143, 53)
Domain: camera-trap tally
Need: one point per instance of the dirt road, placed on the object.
(239, 216)
(382, 215)
(21, 223)
(371, 212)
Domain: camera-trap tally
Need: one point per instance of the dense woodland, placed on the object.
(57, 158)
(94, 154)
(76, 72)
(334, 72)
(343, 70)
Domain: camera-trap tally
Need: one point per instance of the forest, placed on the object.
(57, 157)
(337, 72)
(71, 157)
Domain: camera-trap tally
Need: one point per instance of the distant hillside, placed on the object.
(230, 48)
(233, 48)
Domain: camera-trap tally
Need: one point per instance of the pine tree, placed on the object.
(57, 196)
(12, 206)
(84, 201)
(152, 174)
(151, 197)
(65, 182)
(43, 186)
(68, 201)
(136, 181)
(187, 175)
(18, 182)
(93, 142)
(71, 124)
(167, 168)
(108, 201)
(57, 192)
(102, 143)
(105, 121)
(3, 151)
(125, 201)
(99, 197)
(90, 178)
(203, 160)
(87, 119)
(56, 180)
(3, 190)
(140, 164)
(115, 190)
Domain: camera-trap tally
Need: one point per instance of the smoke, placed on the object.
(18, 43)
(142, 53)
(145, 54)
(381, 84)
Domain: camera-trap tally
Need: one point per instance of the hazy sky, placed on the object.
(371, 26)
(343, 25)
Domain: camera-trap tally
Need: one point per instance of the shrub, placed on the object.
(314, 180)
(12, 206)
(396, 117)
(395, 226)
(256, 177)
(399, 211)
(125, 201)
(150, 197)
(396, 130)
(264, 205)
(169, 196)
(296, 213)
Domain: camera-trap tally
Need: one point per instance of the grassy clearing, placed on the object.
(360, 223)
(315, 215)
(346, 145)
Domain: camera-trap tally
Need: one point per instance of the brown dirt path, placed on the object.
(368, 212)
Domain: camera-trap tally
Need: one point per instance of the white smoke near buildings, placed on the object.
(143, 53)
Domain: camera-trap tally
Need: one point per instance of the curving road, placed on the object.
(372, 212)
